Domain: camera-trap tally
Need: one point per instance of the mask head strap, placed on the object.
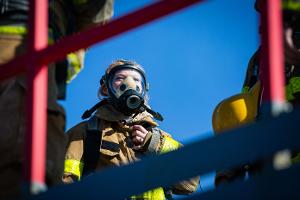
(104, 79)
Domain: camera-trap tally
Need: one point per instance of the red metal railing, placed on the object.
(35, 60)
(39, 55)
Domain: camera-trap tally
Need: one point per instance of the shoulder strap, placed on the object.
(252, 74)
(92, 145)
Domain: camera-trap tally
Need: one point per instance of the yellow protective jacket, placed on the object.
(116, 148)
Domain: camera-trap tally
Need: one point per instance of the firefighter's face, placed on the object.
(127, 79)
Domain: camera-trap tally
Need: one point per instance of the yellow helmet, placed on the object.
(236, 110)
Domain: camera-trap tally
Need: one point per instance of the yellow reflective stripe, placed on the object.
(296, 159)
(19, 30)
(245, 89)
(291, 5)
(74, 66)
(50, 36)
(289, 93)
(50, 41)
(295, 84)
(292, 88)
(169, 144)
(155, 194)
(74, 167)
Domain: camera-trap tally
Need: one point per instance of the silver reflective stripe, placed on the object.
(155, 139)
(13, 5)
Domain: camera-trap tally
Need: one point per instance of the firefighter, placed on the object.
(65, 17)
(245, 107)
(291, 29)
(121, 131)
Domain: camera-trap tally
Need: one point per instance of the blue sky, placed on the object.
(193, 58)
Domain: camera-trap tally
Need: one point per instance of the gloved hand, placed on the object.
(139, 134)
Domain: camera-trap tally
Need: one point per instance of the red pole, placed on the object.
(37, 78)
(272, 60)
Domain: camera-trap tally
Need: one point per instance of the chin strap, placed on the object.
(90, 111)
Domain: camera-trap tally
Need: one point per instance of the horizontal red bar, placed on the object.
(97, 34)
(14, 67)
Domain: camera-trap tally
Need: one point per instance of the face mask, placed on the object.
(127, 90)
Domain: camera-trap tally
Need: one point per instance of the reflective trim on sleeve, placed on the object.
(22, 30)
(74, 67)
(291, 5)
(245, 89)
(17, 30)
(74, 167)
(292, 88)
(154, 142)
(50, 36)
(295, 84)
(169, 144)
(289, 93)
(155, 194)
(296, 159)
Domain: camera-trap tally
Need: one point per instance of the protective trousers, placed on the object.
(13, 121)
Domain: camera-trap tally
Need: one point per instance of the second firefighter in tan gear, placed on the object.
(126, 134)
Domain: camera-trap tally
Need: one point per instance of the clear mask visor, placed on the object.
(127, 79)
